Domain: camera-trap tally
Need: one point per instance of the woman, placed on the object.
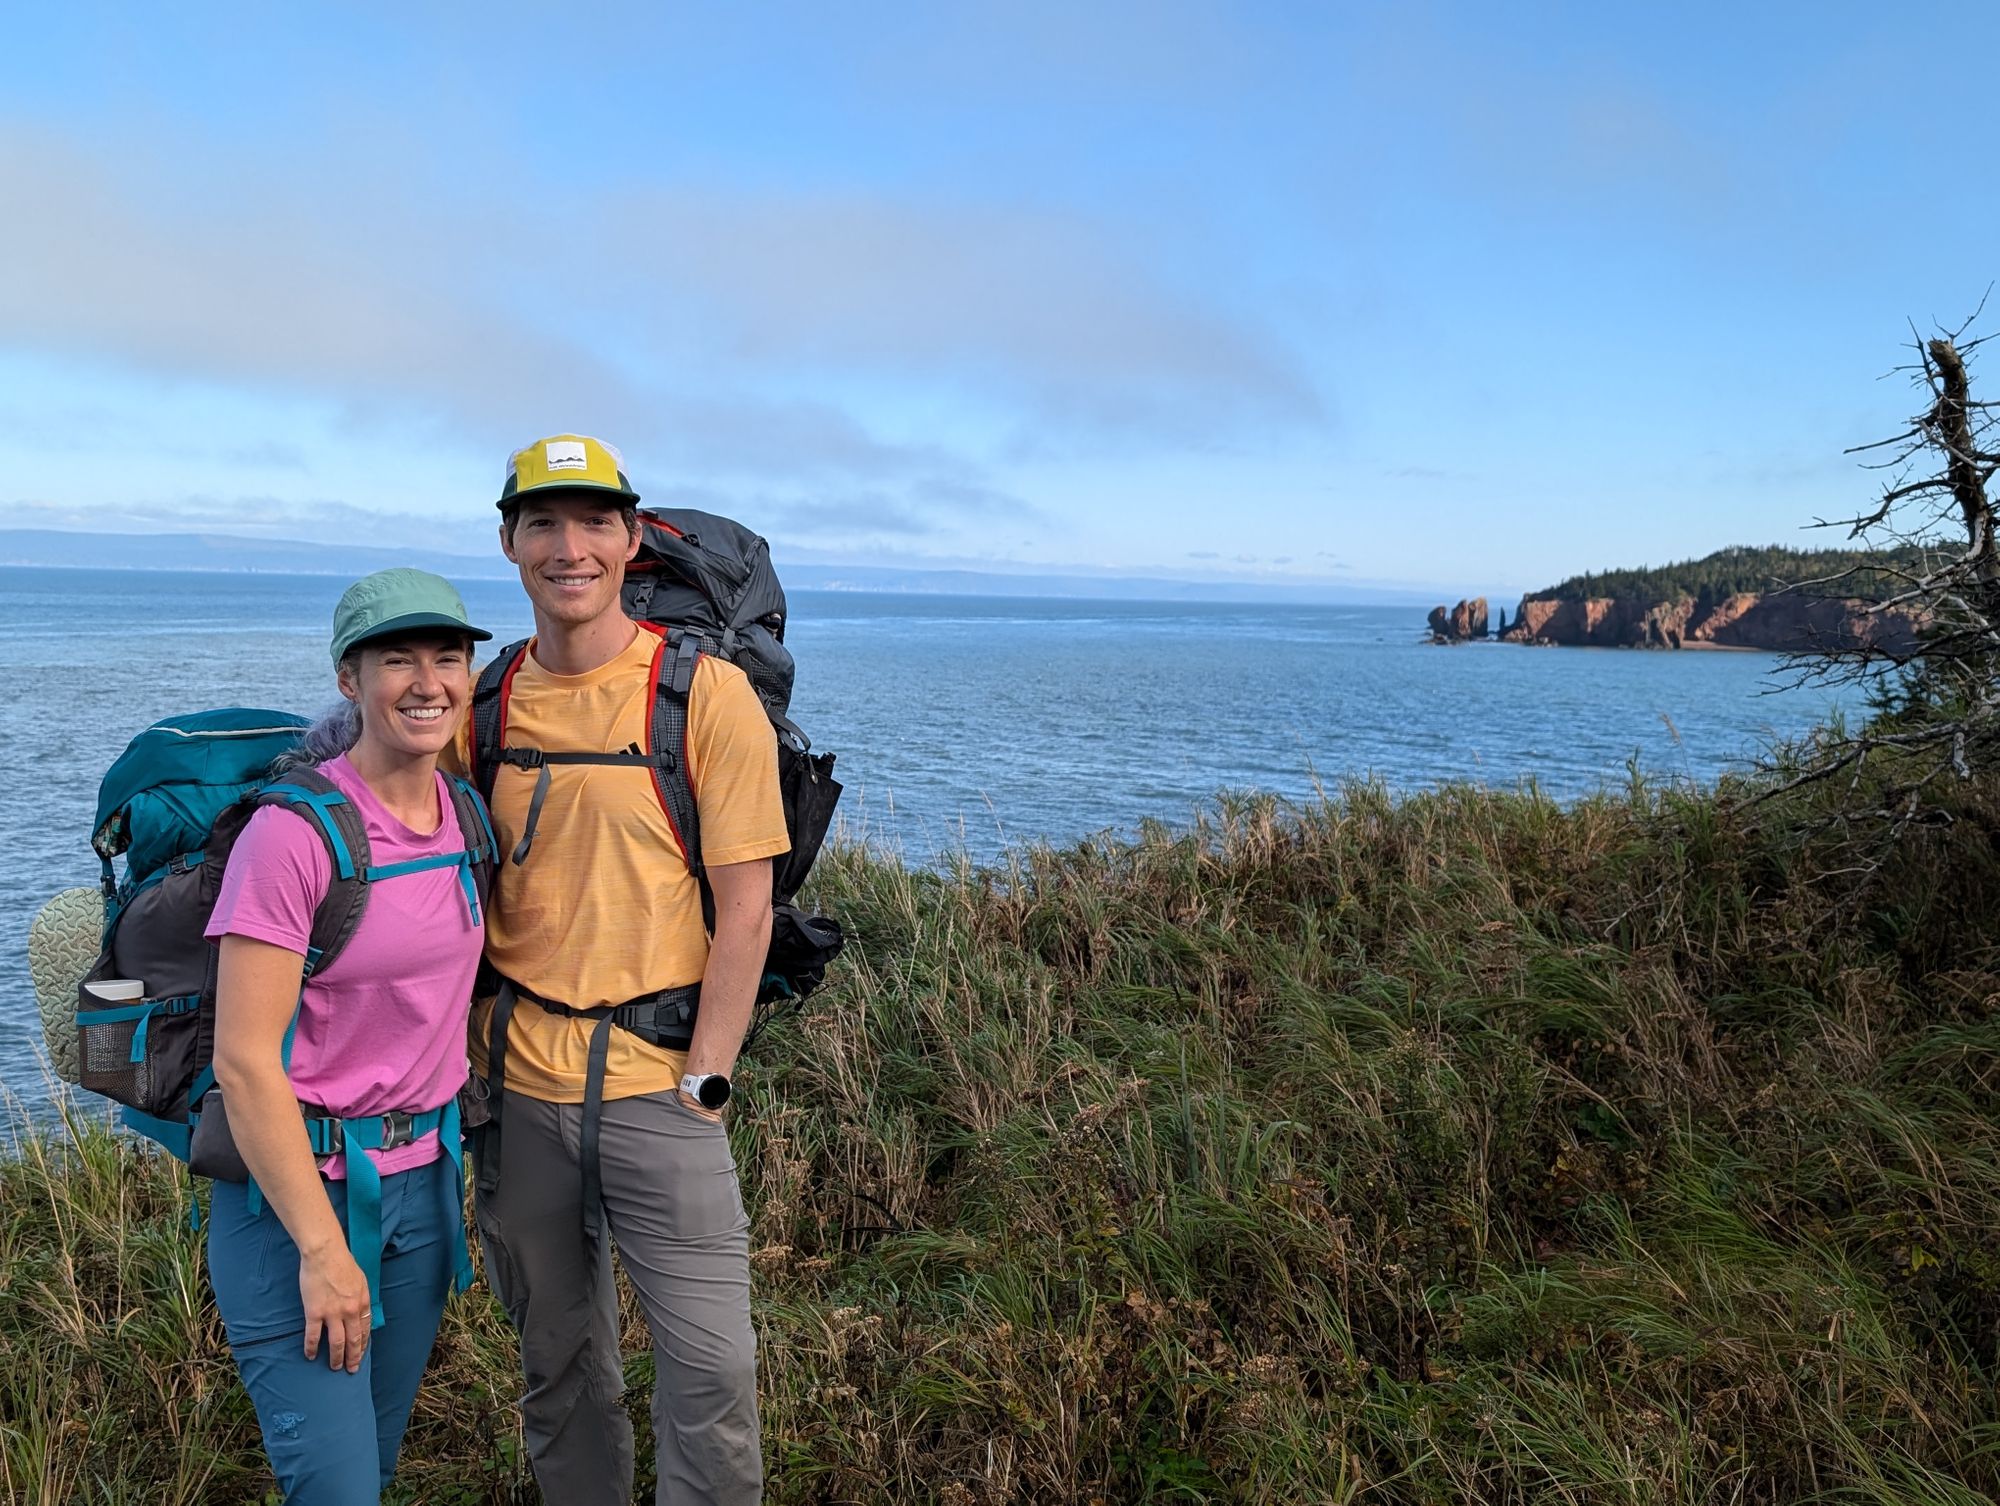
(373, 1048)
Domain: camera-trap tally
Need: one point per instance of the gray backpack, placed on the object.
(705, 585)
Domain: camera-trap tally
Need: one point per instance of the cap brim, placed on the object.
(565, 488)
(416, 622)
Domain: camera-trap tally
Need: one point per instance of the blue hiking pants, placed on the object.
(332, 1437)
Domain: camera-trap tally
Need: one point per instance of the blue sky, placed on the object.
(1465, 296)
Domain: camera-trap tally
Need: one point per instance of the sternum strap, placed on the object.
(535, 758)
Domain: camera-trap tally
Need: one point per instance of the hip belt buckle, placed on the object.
(398, 1129)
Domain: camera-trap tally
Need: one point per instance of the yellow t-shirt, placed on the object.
(604, 908)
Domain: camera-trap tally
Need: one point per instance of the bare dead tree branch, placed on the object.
(1883, 444)
(1958, 335)
(1936, 700)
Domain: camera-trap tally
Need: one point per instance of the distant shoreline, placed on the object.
(811, 577)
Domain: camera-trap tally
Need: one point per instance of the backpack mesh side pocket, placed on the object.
(145, 1053)
(105, 1033)
(139, 1053)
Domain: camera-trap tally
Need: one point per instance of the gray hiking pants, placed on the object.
(672, 1206)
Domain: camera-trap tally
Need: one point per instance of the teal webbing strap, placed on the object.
(364, 1190)
(364, 1211)
(417, 865)
(452, 1137)
(115, 1016)
(320, 806)
(168, 1133)
(462, 861)
(154, 1008)
(291, 1029)
(469, 889)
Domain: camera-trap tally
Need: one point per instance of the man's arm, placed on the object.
(736, 956)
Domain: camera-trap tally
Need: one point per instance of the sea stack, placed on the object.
(1459, 624)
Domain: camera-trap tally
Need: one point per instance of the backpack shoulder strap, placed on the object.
(489, 715)
(667, 732)
(333, 816)
(475, 828)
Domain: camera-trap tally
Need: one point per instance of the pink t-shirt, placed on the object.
(383, 1027)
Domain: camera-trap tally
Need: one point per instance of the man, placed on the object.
(601, 1132)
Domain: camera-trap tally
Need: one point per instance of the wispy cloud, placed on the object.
(711, 331)
(856, 517)
(320, 521)
(1047, 316)
(927, 509)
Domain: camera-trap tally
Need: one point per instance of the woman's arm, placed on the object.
(257, 991)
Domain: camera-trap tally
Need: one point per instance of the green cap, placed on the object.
(392, 602)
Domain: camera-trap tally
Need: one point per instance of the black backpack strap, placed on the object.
(673, 681)
(542, 762)
(666, 757)
(665, 1018)
(475, 829)
(789, 733)
(496, 1081)
(330, 813)
(489, 716)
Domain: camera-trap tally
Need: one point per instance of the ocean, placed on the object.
(960, 723)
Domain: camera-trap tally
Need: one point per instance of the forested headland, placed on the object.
(1865, 574)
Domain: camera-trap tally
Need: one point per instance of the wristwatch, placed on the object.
(709, 1089)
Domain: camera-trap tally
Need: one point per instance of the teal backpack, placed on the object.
(172, 806)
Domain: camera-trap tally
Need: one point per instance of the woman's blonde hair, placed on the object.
(332, 733)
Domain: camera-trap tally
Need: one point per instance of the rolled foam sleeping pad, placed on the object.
(63, 943)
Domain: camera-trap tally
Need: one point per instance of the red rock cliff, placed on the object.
(1466, 620)
(1780, 622)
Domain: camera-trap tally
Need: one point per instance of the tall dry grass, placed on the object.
(1465, 1147)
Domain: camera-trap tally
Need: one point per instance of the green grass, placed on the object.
(1465, 1147)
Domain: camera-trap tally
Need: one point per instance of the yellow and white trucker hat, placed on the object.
(565, 463)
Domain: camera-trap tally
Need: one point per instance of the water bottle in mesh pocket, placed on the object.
(138, 1052)
(149, 1053)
